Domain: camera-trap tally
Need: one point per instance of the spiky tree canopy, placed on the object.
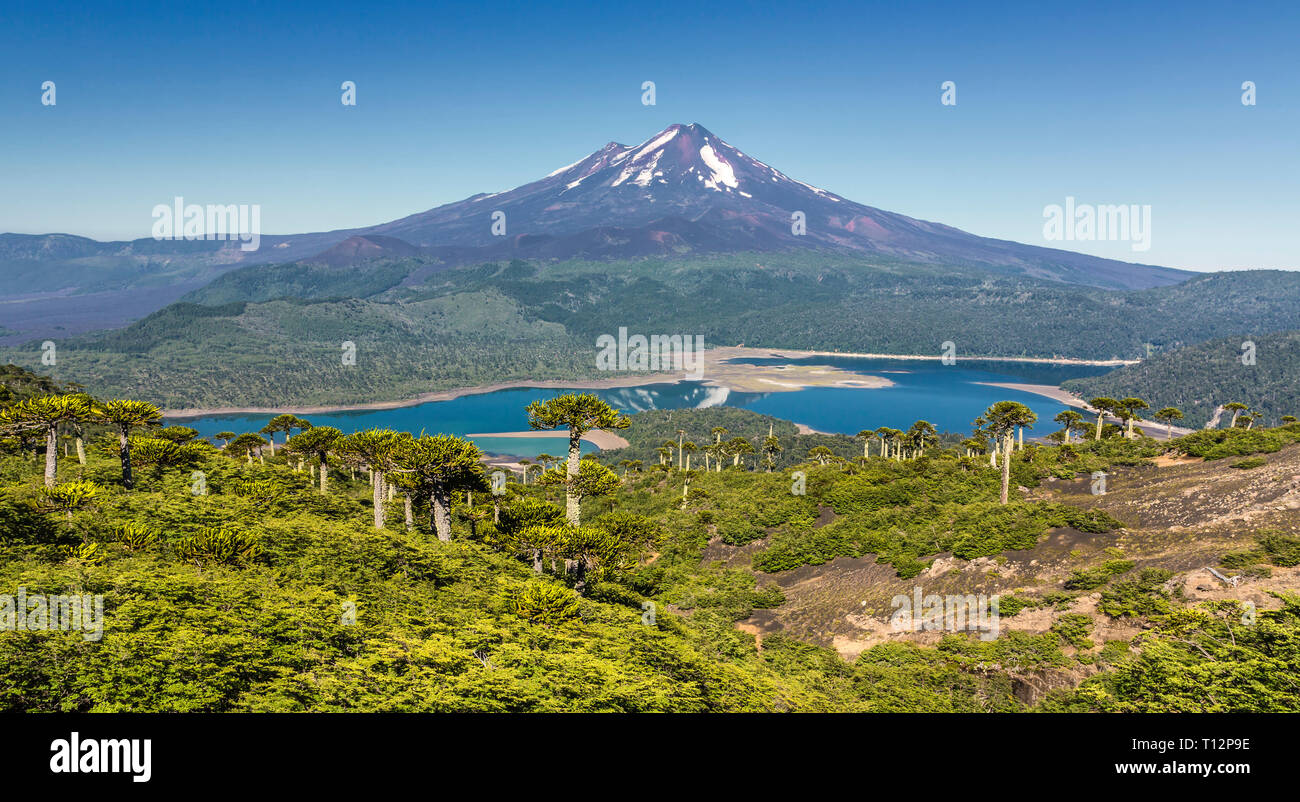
(317, 441)
(438, 463)
(1004, 416)
(579, 413)
(126, 414)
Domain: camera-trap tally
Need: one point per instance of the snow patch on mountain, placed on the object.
(722, 172)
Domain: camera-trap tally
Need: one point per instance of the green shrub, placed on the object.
(545, 603)
(1074, 629)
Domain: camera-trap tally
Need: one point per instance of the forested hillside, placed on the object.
(419, 328)
(1199, 378)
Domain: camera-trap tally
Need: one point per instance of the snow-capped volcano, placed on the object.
(686, 190)
(683, 177)
(680, 155)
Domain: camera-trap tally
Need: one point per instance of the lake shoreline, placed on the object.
(1070, 399)
(597, 437)
(715, 356)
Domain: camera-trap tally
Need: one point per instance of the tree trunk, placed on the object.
(324, 471)
(537, 560)
(271, 440)
(580, 570)
(440, 512)
(81, 451)
(51, 454)
(377, 496)
(1006, 467)
(1020, 432)
(1101, 416)
(124, 454)
(410, 513)
(572, 505)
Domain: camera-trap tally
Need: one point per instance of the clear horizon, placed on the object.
(1089, 104)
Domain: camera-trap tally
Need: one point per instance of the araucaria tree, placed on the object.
(44, 414)
(1104, 406)
(126, 415)
(432, 468)
(1236, 408)
(374, 448)
(579, 413)
(316, 442)
(592, 479)
(1069, 420)
(1002, 419)
(1128, 412)
(1167, 416)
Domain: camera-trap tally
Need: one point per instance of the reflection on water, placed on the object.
(949, 396)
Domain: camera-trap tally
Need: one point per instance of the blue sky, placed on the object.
(1111, 103)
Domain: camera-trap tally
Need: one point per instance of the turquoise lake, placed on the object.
(949, 396)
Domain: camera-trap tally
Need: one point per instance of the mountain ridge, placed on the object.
(683, 190)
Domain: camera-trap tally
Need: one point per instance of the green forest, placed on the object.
(273, 335)
(1199, 378)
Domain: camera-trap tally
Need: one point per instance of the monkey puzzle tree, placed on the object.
(374, 448)
(432, 468)
(245, 445)
(282, 423)
(44, 414)
(1003, 418)
(126, 415)
(1236, 408)
(771, 447)
(316, 442)
(821, 453)
(1128, 412)
(591, 480)
(923, 434)
(70, 496)
(579, 413)
(1104, 405)
(865, 436)
(1069, 420)
(738, 447)
(161, 453)
(539, 542)
(1167, 416)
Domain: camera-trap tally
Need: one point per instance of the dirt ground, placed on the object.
(1181, 515)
